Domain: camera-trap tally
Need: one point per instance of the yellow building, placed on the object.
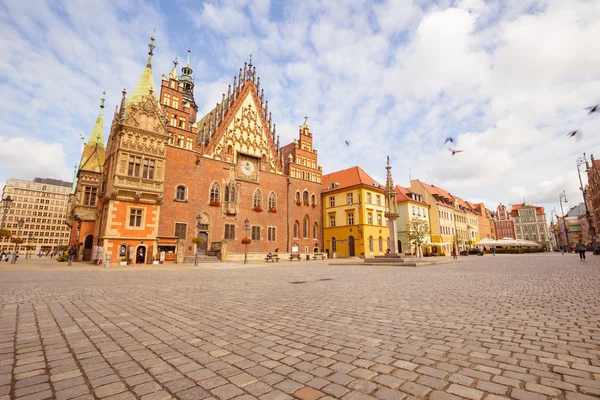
(441, 214)
(483, 221)
(469, 224)
(410, 207)
(353, 214)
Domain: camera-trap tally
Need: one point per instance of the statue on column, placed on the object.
(391, 212)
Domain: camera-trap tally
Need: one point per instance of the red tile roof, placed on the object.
(515, 209)
(354, 176)
(403, 194)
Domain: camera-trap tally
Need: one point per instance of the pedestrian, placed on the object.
(454, 254)
(581, 249)
(71, 255)
(494, 250)
(100, 256)
(17, 256)
(562, 250)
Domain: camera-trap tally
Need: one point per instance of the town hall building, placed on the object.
(169, 185)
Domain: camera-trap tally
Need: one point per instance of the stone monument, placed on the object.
(391, 212)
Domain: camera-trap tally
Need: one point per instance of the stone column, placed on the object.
(391, 212)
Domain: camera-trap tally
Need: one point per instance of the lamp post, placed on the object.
(198, 221)
(588, 216)
(30, 239)
(6, 203)
(246, 228)
(20, 225)
(561, 198)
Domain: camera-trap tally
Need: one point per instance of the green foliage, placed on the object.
(62, 258)
(5, 233)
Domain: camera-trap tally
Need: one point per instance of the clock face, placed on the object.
(247, 167)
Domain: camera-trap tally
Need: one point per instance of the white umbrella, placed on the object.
(487, 242)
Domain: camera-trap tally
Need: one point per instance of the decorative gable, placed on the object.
(147, 116)
(245, 130)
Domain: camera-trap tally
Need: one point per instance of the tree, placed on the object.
(418, 230)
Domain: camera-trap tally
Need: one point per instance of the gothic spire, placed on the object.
(145, 85)
(94, 153)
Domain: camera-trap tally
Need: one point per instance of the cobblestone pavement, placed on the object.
(521, 327)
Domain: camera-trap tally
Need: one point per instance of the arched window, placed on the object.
(257, 202)
(180, 193)
(308, 176)
(305, 196)
(370, 243)
(230, 193)
(380, 243)
(272, 201)
(214, 192)
(313, 199)
(333, 245)
(296, 229)
(297, 197)
(315, 230)
(305, 228)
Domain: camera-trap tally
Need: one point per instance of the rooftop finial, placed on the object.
(250, 60)
(305, 119)
(188, 58)
(175, 63)
(151, 46)
(102, 99)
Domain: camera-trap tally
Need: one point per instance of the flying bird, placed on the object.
(449, 139)
(593, 109)
(454, 151)
(81, 137)
(347, 143)
(577, 134)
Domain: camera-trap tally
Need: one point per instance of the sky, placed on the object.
(507, 79)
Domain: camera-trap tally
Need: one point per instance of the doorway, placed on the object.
(88, 244)
(140, 255)
(351, 251)
(201, 249)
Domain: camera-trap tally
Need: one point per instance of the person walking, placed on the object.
(581, 249)
(494, 250)
(562, 250)
(71, 255)
(454, 254)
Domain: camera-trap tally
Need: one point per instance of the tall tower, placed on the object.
(391, 209)
(188, 84)
(81, 216)
(134, 173)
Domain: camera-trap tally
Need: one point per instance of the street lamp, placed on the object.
(30, 239)
(246, 228)
(561, 198)
(6, 203)
(198, 221)
(588, 216)
(20, 225)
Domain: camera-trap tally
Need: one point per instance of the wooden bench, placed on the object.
(317, 255)
(295, 255)
(272, 258)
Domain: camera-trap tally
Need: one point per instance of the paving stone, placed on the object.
(226, 392)
(389, 394)
(465, 392)
(308, 393)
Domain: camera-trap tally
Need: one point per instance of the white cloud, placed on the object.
(506, 78)
(26, 159)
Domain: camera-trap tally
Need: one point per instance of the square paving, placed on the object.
(521, 327)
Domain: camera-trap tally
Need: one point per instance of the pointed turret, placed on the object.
(188, 83)
(145, 86)
(94, 153)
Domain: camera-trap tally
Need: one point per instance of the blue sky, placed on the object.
(507, 79)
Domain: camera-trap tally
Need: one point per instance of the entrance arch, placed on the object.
(351, 250)
(201, 249)
(140, 255)
(88, 245)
